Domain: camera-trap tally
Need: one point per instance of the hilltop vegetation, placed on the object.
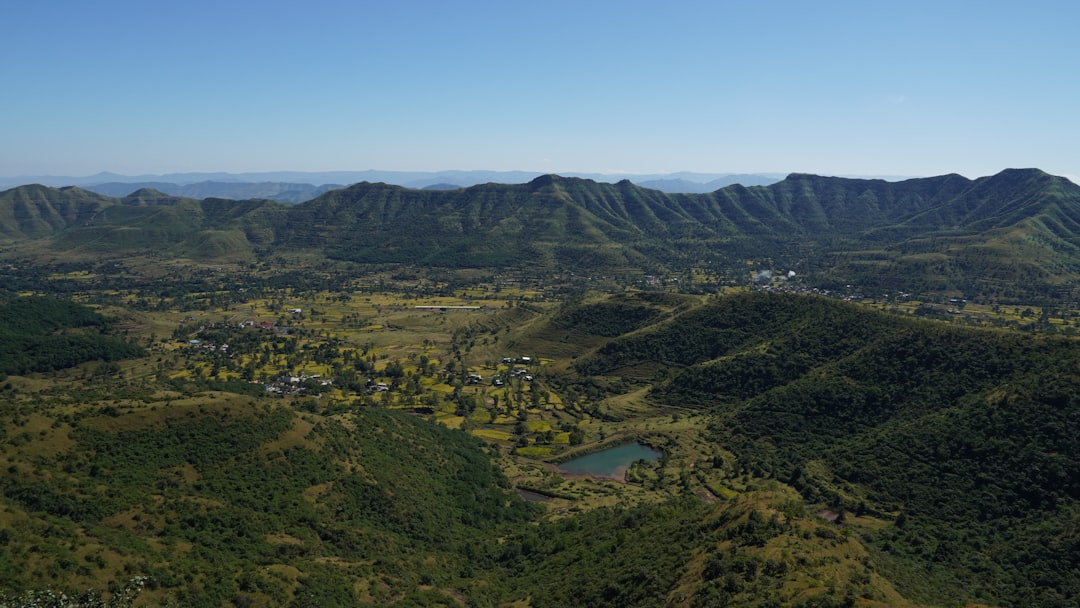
(31, 212)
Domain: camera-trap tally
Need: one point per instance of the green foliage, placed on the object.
(325, 586)
(779, 331)
(971, 433)
(389, 487)
(607, 319)
(124, 597)
(597, 559)
(968, 436)
(39, 336)
(641, 557)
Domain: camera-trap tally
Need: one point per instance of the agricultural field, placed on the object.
(457, 355)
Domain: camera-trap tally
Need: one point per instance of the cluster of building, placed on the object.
(377, 387)
(501, 378)
(788, 288)
(288, 384)
(208, 346)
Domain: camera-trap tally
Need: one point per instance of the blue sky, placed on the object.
(837, 88)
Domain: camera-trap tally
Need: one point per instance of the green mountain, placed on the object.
(32, 212)
(549, 222)
(984, 236)
(79, 222)
(1007, 235)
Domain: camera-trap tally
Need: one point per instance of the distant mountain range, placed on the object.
(296, 186)
(1011, 233)
(283, 192)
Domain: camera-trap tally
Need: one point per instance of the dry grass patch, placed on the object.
(296, 436)
(492, 434)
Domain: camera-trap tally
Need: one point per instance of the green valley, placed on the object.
(865, 393)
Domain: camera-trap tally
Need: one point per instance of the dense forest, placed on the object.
(44, 334)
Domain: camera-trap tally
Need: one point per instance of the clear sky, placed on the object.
(860, 87)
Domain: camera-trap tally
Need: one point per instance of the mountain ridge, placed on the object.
(1020, 223)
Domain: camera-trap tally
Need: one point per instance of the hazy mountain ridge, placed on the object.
(294, 186)
(283, 192)
(292, 192)
(677, 185)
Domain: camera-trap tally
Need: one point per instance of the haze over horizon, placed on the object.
(834, 88)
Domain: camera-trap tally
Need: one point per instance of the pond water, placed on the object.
(612, 462)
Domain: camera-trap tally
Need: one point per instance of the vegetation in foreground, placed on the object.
(817, 453)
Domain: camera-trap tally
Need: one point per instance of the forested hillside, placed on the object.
(30, 212)
(43, 334)
(245, 500)
(966, 439)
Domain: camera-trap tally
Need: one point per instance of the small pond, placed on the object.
(612, 462)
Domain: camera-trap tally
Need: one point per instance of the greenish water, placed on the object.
(612, 462)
